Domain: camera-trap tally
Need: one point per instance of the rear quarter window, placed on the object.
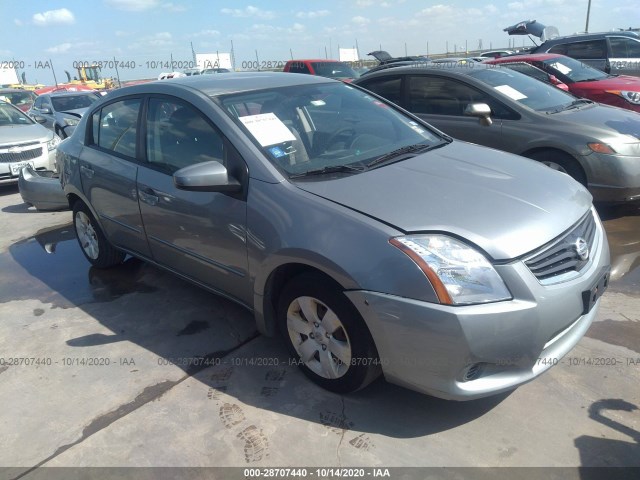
(114, 127)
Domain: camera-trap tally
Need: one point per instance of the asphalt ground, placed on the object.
(109, 378)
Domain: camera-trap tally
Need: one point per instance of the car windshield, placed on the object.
(12, 116)
(524, 89)
(18, 98)
(570, 70)
(307, 128)
(334, 70)
(72, 102)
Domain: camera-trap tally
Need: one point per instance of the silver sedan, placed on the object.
(372, 242)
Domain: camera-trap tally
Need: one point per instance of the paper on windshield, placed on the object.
(510, 92)
(561, 68)
(267, 129)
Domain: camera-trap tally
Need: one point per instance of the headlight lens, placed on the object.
(71, 121)
(631, 97)
(53, 143)
(459, 274)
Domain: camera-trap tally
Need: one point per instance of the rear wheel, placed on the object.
(94, 245)
(326, 335)
(562, 162)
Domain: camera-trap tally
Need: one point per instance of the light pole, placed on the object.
(586, 28)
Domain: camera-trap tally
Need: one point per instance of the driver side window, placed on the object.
(178, 136)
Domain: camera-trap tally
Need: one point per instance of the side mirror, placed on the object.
(40, 119)
(206, 177)
(480, 110)
(46, 110)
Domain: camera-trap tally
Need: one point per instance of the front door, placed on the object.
(201, 235)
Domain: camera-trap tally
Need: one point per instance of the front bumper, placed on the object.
(467, 352)
(10, 171)
(613, 178)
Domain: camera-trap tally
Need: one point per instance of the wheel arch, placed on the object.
(267, 288)
(532, 152)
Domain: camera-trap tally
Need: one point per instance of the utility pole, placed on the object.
(586, 27)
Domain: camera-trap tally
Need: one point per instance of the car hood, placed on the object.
(505, 204)
(621, 82)
(603, 122)
(18, 134)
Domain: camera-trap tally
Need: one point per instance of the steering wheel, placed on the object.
(347, 132)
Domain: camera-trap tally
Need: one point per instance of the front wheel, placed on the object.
(94, 245)
(326, 335)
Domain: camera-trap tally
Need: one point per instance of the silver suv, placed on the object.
(372, 242)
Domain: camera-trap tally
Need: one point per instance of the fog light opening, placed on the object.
(473, 372)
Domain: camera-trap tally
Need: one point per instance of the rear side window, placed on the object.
(589, 50)
(114, 127)
(624, 47)
(387, 87)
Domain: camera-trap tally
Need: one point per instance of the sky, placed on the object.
(143, 34)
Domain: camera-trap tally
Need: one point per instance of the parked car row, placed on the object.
(371, 241)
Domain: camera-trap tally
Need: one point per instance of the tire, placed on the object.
(562, 162)
(336, 351)
(95, 247)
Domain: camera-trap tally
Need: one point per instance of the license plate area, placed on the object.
(16, 167)
(591, 296)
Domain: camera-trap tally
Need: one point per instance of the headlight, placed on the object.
(53, 143)
(617, 147)
(459, 274)
(72, 122)
(631, 97)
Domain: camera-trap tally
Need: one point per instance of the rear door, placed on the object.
(201, 235)
(108, 171)
(625, 56)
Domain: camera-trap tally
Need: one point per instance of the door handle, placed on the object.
(148, 196)
(88, 171)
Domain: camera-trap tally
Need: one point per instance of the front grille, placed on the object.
(562, 256)
(21, 154)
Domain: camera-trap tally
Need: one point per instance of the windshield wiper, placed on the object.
(578, 102)
(330, 169)
(416, 148)
(572, 105)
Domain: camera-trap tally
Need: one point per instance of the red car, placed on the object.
(324, 68)
(584, 81)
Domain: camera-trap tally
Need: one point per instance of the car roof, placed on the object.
(320, 60)
(69, 94)
(592, 36)
(234, 82)
(524, 57)
(14, 90)
(457, 68)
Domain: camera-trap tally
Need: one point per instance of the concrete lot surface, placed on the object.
(110, 378)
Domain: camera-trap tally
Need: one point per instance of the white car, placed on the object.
(23, 142)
